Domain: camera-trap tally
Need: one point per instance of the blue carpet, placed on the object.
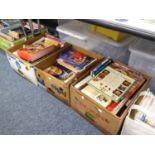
(27, 109)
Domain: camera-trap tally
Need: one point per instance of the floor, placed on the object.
(26, 109)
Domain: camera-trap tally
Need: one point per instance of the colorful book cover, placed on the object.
(59, 71)
(139, 78)
(115, 107)
(112, 105)
(67, 65)
(97, 96)
(75, 58)
(112, 83)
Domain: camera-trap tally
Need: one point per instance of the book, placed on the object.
(83, 81)
(100, 67)
(96, 95)
(112, 83)
(59, 72)
(65, 64)
(139, 78)
(112, 105)
(75, 58)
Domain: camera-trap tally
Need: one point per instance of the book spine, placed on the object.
(100, 67)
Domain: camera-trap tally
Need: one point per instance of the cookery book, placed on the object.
(96, 95)
(59, 72)
(112, 83)
(75, 58)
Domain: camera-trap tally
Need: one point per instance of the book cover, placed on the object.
(59, 72)
(112, 83)
(139, 78)
(115, 107)
(75, 58)
(65, 64)
(97, 96)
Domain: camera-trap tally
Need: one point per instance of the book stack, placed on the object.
(37, 49)
(111, 85)
(145, 108)
(68, 64)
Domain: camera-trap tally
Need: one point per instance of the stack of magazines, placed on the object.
(146, 112)
(111, 85)
(68, 64)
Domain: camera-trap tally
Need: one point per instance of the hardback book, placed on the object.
(96, 95)
(112, 83)
(59, 72)
(75, 58)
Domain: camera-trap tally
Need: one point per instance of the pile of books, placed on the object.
(146, 104)
(111, 85)
(68, 64)
(37, 50)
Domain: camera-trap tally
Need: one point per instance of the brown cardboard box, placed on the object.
(25, 68)
(56, 86)
(99, 116)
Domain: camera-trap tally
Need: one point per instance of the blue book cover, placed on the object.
(75, 58)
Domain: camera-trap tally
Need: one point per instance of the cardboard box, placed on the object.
(58, 87)
(99, 116)
(25, 68)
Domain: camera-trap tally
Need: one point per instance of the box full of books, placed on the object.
(80, 34)
(59, 71)
(14, 35)
(142, 57)
(24, 57)
(141, 117)
(104, 95)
